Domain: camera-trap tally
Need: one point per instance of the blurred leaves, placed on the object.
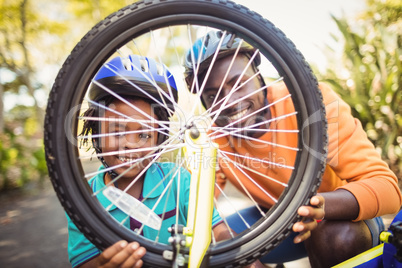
(22, 159)
(93, 11)
(369, 76)
(35, 38)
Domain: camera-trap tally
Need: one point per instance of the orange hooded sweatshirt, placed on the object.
(353, 163)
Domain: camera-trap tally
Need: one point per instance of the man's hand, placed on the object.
(310, 216)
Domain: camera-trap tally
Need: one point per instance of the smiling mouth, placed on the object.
(126, 159)
(238, 115)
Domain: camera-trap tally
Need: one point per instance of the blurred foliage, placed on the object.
(28, 31)
(25, 39)
(92, 11)
(22, 157)
(369, 75)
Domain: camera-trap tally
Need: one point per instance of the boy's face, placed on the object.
(243, 108)
(124, 135)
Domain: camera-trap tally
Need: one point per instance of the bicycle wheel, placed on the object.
(165, 30)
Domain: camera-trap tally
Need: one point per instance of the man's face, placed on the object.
(238, 114)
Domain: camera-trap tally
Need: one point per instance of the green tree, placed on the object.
(23, 42)
(26, 37)
(369, 77)
(35, 38)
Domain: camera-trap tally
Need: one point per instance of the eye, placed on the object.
(211, 97)
(144, 136)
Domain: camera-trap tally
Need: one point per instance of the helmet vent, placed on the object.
(127, 64)
(159, 69)
(144, 65)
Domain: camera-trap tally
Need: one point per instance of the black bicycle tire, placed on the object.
(61, 168)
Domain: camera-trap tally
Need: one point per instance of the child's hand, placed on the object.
(121, 254)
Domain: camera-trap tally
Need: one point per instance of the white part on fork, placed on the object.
(133, 207)
(201, 155)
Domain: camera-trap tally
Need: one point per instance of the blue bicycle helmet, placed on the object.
(207, 45)
(135, 76)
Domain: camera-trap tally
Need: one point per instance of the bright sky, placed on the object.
(307, 23)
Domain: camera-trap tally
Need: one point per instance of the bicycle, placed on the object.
(164, 30)
(387, 254)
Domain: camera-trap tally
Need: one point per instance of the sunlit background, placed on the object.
(308, 23)
(355, 46)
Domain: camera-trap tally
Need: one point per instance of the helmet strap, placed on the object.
(111, 172)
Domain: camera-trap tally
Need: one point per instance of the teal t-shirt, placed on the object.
(157, 178)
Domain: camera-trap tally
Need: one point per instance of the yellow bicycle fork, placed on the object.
(201, 161)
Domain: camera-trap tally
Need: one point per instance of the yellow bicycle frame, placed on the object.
(201, 161)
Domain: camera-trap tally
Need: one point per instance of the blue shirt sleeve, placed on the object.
(80, 249)
(216, 218)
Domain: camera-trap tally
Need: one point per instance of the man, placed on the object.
(357, 185)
